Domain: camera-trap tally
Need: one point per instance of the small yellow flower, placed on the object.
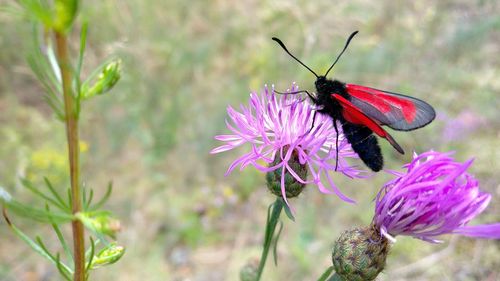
(228, 192)
(46, 158)
(84, 146)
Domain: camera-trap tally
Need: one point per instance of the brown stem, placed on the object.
(73, 149)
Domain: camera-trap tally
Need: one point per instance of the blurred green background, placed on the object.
(184, 62)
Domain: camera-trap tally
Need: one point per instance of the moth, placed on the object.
(362, 111)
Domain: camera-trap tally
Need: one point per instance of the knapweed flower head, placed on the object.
(360, 254)
(277, 128)
(435, 196)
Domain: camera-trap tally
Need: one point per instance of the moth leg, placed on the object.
(336, 144)
(313, 98)
(316, 110)
(314, 119)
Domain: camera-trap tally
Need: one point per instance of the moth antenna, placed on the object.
(345, 47)
(286, 50)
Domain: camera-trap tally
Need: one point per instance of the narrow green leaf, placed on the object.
(104, 198)
(37, 11)
(77, 80)
(60, 236)
(335, 277)
(86, 203)
(64, 269)
(30, 243)
(33, 189)
(47, 73)
(55, 193)
(78, 70)
(36, 247)
(60, 267)
(275, 246)
(55, 107)
(39, 68)
(84, 196)
(91, 254)
(63, 242)
(288, 212)
(273, 214)
(96, 242)
(44, 248)
(70, 199)
(268, 224)
(41, 71)
(54, 64)
(326, 274)
(46, 60)
(36, 213)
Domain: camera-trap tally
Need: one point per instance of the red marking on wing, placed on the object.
(353, 115)
(383, 101)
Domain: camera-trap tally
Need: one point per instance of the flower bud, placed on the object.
(250, 271)
(109, 255)
(360, 254)
(65, 14)
(106, 80)
(101, 223)
(292, 186)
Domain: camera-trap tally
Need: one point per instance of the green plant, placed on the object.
(59, 73)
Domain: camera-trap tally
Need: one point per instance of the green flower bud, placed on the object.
(101, 223)
(360, 254)
(109, 255)
(250, 271)
(65, 14)
(106, 80)
(292, 187)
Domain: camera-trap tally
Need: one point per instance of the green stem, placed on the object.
(272, 220)
(71, 121)
(336, 277)
(326, 274)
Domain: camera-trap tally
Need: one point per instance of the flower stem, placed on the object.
(71, 121)
(273, 216)
(336, 277)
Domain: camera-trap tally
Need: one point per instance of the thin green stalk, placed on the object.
(326, 274)
(273, 216)
(71, 120)
(336, 277)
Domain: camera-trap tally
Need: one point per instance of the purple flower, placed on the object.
(435, 196)
(276, 126)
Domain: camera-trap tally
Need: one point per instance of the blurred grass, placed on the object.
(184, 62)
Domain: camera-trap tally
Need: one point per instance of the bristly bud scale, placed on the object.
(360, 254)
